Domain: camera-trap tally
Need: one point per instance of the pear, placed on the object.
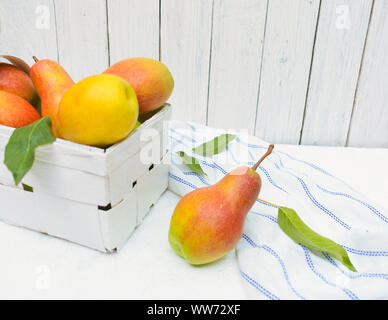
(99, 110)
(208, 222)
(15, 111)
(16, 81)
(52, 82)
(150, 78)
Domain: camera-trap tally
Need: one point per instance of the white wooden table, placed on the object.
(38, 266)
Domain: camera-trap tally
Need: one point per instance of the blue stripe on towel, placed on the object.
(270, 179)
(198, 176)
(190, 139)
(254, 146)
(307, 163)
(214, 166)
(259, 287)
(231, 154)
(179, 141)
(311, 265)
(182, 181)
(191, 126)
(265, 216)
(320, 206)
(356, 275)
(374, 210)
(369, 253)
(274, 253)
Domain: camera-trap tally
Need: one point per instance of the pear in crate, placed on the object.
(15, 111)
(98, 111)
(151, 80)
(16, 81)
(208, 222)
(51, 81)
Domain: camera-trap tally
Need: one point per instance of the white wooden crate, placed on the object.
(88, 195)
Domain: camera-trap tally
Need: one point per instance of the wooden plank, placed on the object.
(369, 123)
(65, 154)
(123, 179)
(75, 221)
(337, 57)
(27, 28)
(149, 189)
(94, 160)
(185, 49)
(62, 182)
(151, 132)
(118, 223)
(82, 36)
(238, 33)
(133, 29)
(289, 40)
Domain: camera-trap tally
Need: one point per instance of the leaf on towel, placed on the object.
(192, 163)
(215, 146)
(297, 230)
(209, 148)
(20, 150)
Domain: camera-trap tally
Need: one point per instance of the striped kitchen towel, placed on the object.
(271, 264)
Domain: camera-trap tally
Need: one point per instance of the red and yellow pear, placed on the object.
(15, 111)
(208, 222)
(16, 81)
(151, 80)
(52, 82)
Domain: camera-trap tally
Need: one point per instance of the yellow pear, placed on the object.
(98, 111)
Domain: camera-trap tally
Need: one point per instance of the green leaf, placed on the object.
(20, 150)
(209, 148)
(28, 188)
(297, 230)
(192, 163)
(215, 146)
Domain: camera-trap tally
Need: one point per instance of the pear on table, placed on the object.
(208, 222)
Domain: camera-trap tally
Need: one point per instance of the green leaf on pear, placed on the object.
(20, 150)
(296, 229)
(192, 163)
(214, 146)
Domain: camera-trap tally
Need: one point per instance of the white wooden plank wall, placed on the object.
(369, 125)
(185, 49)
(289, 40)
(339, 45)
(27, 28)
(237, 40)
(82, 36)
(290, 71)
(133, 29)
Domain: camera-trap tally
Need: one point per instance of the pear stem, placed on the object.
(269, 151)
(35, 59)
(267, 202)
